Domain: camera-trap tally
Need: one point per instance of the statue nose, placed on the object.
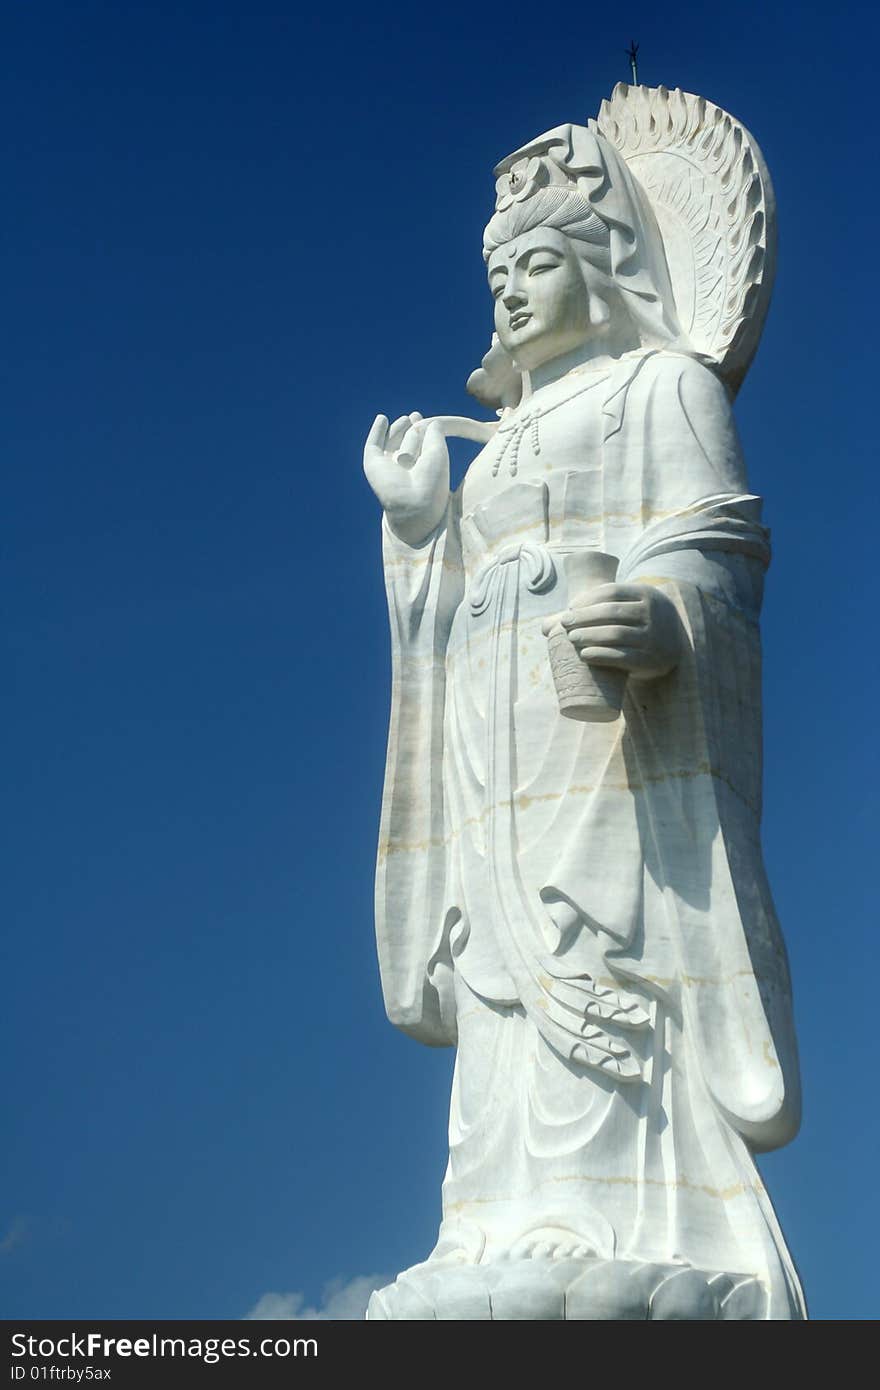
(513, 296)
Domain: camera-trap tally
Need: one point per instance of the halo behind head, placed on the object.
(705, 178)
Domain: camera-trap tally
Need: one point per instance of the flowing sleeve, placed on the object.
(665, 858)
(694, 743)
(424, 586)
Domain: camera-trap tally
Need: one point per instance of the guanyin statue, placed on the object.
(570, 884)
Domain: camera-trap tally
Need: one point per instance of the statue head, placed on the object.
(552, 295)
(574, 254)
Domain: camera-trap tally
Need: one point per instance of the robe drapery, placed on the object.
(597, 886)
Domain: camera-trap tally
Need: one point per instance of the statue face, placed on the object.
(542, 303)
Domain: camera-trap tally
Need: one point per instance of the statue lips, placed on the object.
(519, 320)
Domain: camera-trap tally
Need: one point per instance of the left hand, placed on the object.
(631, 627)
(407, 466)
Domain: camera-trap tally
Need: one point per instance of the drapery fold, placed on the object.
(661, 860)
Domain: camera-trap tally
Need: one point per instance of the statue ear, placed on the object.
(497, 382)
(599, 311)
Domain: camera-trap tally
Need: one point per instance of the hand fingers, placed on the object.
(433, 451)
(433, 436)
(616, 638)
(412, 442)
(618, 593)
(624, 657)
(378, 432)
(396, 433)
(631, 613)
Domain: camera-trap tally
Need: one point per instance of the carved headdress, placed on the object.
(572, 179)
(674, 197)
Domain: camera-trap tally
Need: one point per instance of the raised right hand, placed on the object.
(407, 466)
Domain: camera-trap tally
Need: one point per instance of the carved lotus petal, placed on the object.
(410, 1304)
(609, 1292)
(684, 1297)
(528, 1292)
(747, 1302)
(461, 1295)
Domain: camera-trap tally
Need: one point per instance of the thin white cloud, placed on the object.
(15, 1235)
(341, 1301)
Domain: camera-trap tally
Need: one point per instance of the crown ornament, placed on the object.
(522, 180)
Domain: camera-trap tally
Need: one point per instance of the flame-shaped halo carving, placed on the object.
(710, 190)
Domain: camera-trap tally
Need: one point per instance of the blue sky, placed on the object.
(232, 234)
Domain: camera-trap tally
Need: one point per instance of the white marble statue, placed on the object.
(570, 885)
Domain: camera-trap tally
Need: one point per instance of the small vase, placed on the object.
(588, 693)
